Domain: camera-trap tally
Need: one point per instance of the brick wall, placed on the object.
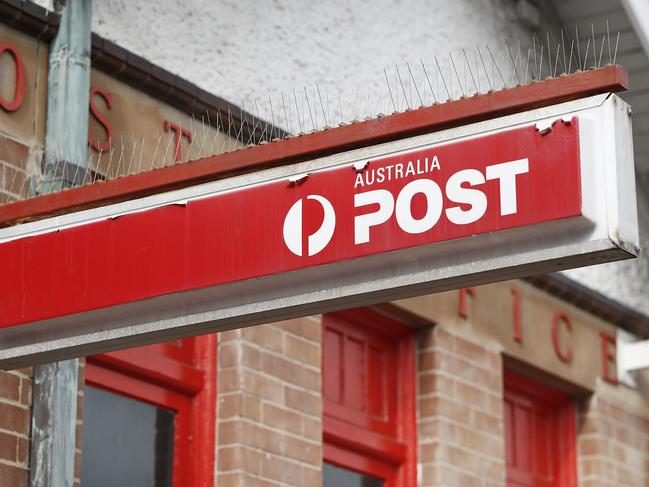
(15, 419)
(270, 405)
(613, 439)
(460, 411)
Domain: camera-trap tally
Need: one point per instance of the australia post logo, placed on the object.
(380, 198)
(316, 241)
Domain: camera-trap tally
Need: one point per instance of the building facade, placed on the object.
(513, 383)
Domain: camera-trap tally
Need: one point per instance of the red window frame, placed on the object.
(179, 376)
(549, 440)
(386, 450)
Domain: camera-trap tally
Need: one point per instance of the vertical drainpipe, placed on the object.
(54, 411)
(68, 87)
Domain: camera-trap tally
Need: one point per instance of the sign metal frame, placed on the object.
(608, 191)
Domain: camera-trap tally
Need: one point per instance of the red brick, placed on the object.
(303, 401)
(281, 418)
(9, 386)
(243, 480)
(13, 476)
(239, 405)
(26, 388)
(302, 351)
(13, 152)
(309, 328)
(265, 336)
(291, 372)
(281, 470)
(14, 418)
(302, 450)
(262, 386)
(23, 451)
(8, 447)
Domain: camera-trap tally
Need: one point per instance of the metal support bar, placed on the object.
(632, 356)
(53, 424)
(54, 410)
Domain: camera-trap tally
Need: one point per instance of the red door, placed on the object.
(539, 434)
(369, 394)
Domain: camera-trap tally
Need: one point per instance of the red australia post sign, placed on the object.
(420, 197)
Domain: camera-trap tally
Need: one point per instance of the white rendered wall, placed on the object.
(245, 50)
(241, 49)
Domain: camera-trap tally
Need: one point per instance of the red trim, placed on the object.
(385, 450)
(560, 441)
(167, 372)
(189, 390)
(296, 149)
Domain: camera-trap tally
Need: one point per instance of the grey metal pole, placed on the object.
(68, 86)
(54, 411)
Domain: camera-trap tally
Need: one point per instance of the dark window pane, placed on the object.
(339, 477)
(125, 442)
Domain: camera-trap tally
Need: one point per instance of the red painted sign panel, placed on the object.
(424, 196)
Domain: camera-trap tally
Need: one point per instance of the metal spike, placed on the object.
(518, 78)
(324, 114)
(443, 80)
(297, 112)
(477, 89)
(121, 156)
(617, 41)
(405, 97)
(389, 89)
(491, 87)
(608, 36)
(578, 46)
(496, 66)
(592, 29)
(586, 55)
(572, 43)
(547, 34)
(450, 55)
(601, 51)
(421, 101)
(309, 105)
(423, 67)
(563, 48)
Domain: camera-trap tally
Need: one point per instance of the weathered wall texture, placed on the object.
(270, 405)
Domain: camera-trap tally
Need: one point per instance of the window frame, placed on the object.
(357, 447)
(183, 383)
(565, 415)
